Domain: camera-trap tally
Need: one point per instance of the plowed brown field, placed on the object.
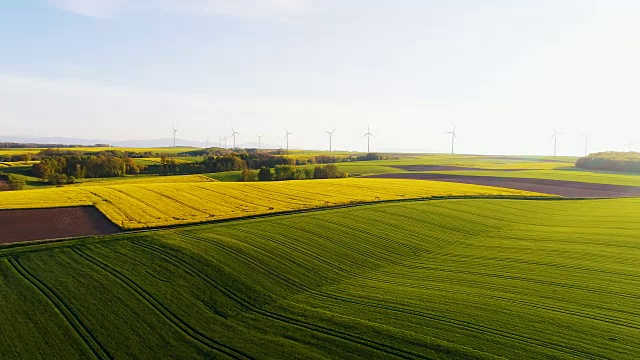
(41, 224)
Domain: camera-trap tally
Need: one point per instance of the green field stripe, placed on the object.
(88, 338)
(163, 310)
(390, 350)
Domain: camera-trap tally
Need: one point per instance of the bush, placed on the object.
(248, 175)
(328, 172)
(57, 179)
(265, 174)
(611, 161)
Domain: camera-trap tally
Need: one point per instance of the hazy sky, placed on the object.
(506, 72)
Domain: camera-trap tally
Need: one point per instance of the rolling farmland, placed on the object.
(446, 279)
(133, 205)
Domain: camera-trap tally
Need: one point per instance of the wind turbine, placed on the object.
(586, 145)
(225, 142)
(453, 137)
(260, 141)
(233, 135)
(330, 136)
(287, 137)
(368, 135)
(220, 138)
(630, 146)
(174, 135)
(555, 141)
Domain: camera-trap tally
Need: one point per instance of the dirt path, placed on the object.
(447, 168)
(42, 224)
(571, 189)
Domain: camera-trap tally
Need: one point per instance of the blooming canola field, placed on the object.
(156, 204)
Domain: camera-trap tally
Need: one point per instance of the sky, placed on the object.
(504, 73)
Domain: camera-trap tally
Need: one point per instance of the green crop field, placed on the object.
(431, 279)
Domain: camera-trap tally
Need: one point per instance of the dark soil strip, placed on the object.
(572, 189)
(445, 168)
(56, 223)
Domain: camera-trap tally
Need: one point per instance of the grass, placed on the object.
(147, 204)
(437, 279)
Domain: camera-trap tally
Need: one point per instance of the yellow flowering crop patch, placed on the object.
(137, 206)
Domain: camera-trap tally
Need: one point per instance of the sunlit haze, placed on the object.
(506, 73)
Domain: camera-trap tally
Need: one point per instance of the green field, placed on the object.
(432, 279)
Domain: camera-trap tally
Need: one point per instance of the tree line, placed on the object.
(611, 161)
(60, 169)
(221, 161)
(292, 172)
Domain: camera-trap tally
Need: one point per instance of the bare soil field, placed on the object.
(445, 168)
(570, 189)
(43, 224)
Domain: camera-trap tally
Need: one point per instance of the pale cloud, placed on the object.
(240, 8)
(94, 8)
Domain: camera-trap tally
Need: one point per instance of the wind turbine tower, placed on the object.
(286, 136)
(586, 145)
(233, 135)
(453, 138)
(260, 142)
(555, 141)
(368, 135)
(330, 136)
(174, 135)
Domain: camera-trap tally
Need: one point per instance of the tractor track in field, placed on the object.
(66, 311)
(431, 316)
(178, 201)
(551, 308)
(532, 281)
(564, 188)
(232, 197)
(389, 350)
(183, 326)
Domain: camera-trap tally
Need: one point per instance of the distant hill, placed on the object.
(152, 143)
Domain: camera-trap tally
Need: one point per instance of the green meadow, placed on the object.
(428, 279)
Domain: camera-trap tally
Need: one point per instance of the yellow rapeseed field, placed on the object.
(144, 205)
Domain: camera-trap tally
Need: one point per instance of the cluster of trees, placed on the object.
(11, 182)
(220, 160)
(15, 158)
(611, 161)
(292, 172)
(60, 169)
